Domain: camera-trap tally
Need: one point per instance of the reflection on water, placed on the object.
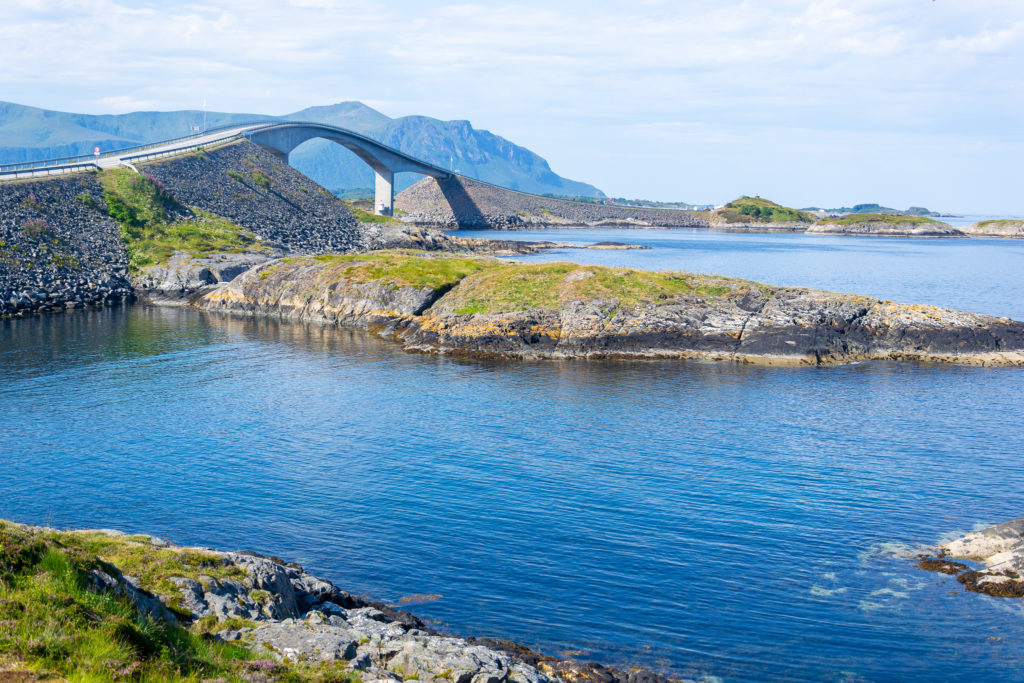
(710, 519)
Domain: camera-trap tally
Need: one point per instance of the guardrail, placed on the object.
(49, 170)
(86, 158)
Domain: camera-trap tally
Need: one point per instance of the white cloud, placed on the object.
(571, 80)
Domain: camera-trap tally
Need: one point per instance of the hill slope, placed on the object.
(29, 133)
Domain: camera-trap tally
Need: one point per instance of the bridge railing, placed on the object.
(85, 158)
(49, 171)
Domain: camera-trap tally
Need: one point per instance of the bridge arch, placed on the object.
(385, 161)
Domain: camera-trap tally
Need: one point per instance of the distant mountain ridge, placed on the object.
(31, 133)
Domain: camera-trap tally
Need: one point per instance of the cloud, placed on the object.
(659, 77)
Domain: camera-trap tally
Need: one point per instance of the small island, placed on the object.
(884, 225)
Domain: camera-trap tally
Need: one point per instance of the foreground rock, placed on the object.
(884, 225)
(1000, 551)
(291, 618)
(563, 310)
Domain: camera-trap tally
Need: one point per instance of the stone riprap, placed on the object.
(999, 553)
(574, 314)
(283, 613)
(58, 247)
(464, 203)
(257, 190)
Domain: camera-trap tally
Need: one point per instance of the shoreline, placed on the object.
(276, 610)
(473, 307)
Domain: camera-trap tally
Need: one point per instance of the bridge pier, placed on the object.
(384, 193)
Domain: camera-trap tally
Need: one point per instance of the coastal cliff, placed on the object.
(105, 605)
(482, 307)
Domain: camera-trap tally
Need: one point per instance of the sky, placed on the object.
(810, 103)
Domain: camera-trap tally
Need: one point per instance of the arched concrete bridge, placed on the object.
(385, 161)
(280, 137)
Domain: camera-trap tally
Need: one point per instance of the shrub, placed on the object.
(260, 178)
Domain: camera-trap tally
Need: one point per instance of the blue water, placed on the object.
(981, 275)
(705, 519)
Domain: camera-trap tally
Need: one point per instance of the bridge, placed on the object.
(279, 137)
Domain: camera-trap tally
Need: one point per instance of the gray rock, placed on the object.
(298, 641)
(144, 601)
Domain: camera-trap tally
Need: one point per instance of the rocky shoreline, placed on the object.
(285, 616)
(998, 551)
(479, 307)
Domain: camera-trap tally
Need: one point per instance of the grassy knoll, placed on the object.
(861, 218)
(522, 287)
(1000, 223)
(145, 210)
(758, 210)
(53, 626)
(399, 268)
(478, 285)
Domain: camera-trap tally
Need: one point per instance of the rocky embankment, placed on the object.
(997, 553)
(259, 191)
(465, 203)
(58, 248)
(562, 310)
(295, 626)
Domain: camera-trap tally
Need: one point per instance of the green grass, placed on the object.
(52, 625)
(998, 222)
(522, 287)
(860, 218)
(758, 210)
(143, 207)
(401, 269)
(260, 179)
(206, 234)
(475, 285)
(362, 211)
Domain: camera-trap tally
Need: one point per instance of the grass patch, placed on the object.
(522, 287)
(401, 269)
(860, 218)
(362, 211)
(51, 621)
(234, 175)
(201, 236)
(260, 178)
(1000, 222)
(143, 207)
(758, 210)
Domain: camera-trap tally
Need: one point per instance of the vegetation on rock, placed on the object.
(757, 210)
(54, 622)
(401, 269)
(892, 219)
(521, 287)
(147, 213)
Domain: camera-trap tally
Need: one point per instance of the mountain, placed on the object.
(30, 133)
